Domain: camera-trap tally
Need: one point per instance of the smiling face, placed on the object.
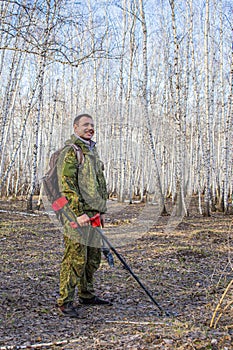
(84, 128)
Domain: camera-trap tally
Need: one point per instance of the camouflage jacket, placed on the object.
(83, 185)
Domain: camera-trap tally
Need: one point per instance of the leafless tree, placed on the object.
(163, 113)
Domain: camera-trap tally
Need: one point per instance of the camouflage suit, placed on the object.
(85, 188)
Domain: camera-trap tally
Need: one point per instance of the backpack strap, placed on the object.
(79, 153)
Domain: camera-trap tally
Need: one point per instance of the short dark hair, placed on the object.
(76, 119)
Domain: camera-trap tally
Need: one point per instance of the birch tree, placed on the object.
(228, 148)
(197, 111)
(207, 113)
(130, 63)
(45, 35)
(179, 176)
(145, 102)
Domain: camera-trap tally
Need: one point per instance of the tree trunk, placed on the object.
(207, 114)
(145, 104)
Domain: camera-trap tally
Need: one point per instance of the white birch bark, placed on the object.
(228, 148)
(196, 119)
(145, 104)
(42, 65)
(122, 167)
(8, 98)
(34, 180)
(21, 132)
(130, 111)
(207, 113)
(221, 119)
(179, 124)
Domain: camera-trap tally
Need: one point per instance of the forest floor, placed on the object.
(186, 268)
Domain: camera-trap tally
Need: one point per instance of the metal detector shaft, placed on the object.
(122, 260)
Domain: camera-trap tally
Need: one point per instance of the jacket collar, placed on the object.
(90, 144)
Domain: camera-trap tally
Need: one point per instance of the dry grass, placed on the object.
(187, 270)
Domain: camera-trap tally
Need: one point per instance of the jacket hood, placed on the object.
(72, 139)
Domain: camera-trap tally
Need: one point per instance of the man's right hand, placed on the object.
(83, 220)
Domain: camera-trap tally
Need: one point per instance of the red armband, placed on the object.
(59, 203)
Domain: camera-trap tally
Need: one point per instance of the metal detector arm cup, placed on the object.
(95, 220)
(58, 205)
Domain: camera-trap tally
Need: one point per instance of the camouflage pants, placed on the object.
(80, 262)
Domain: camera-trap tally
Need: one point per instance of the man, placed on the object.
(84, 187)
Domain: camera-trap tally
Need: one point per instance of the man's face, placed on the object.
(84, 128)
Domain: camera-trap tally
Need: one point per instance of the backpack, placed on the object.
(50, 179)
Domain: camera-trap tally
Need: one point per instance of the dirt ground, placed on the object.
(186, 266)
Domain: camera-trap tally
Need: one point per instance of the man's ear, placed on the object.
(75, 127)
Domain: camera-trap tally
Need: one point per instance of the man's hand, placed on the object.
(83, 220)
